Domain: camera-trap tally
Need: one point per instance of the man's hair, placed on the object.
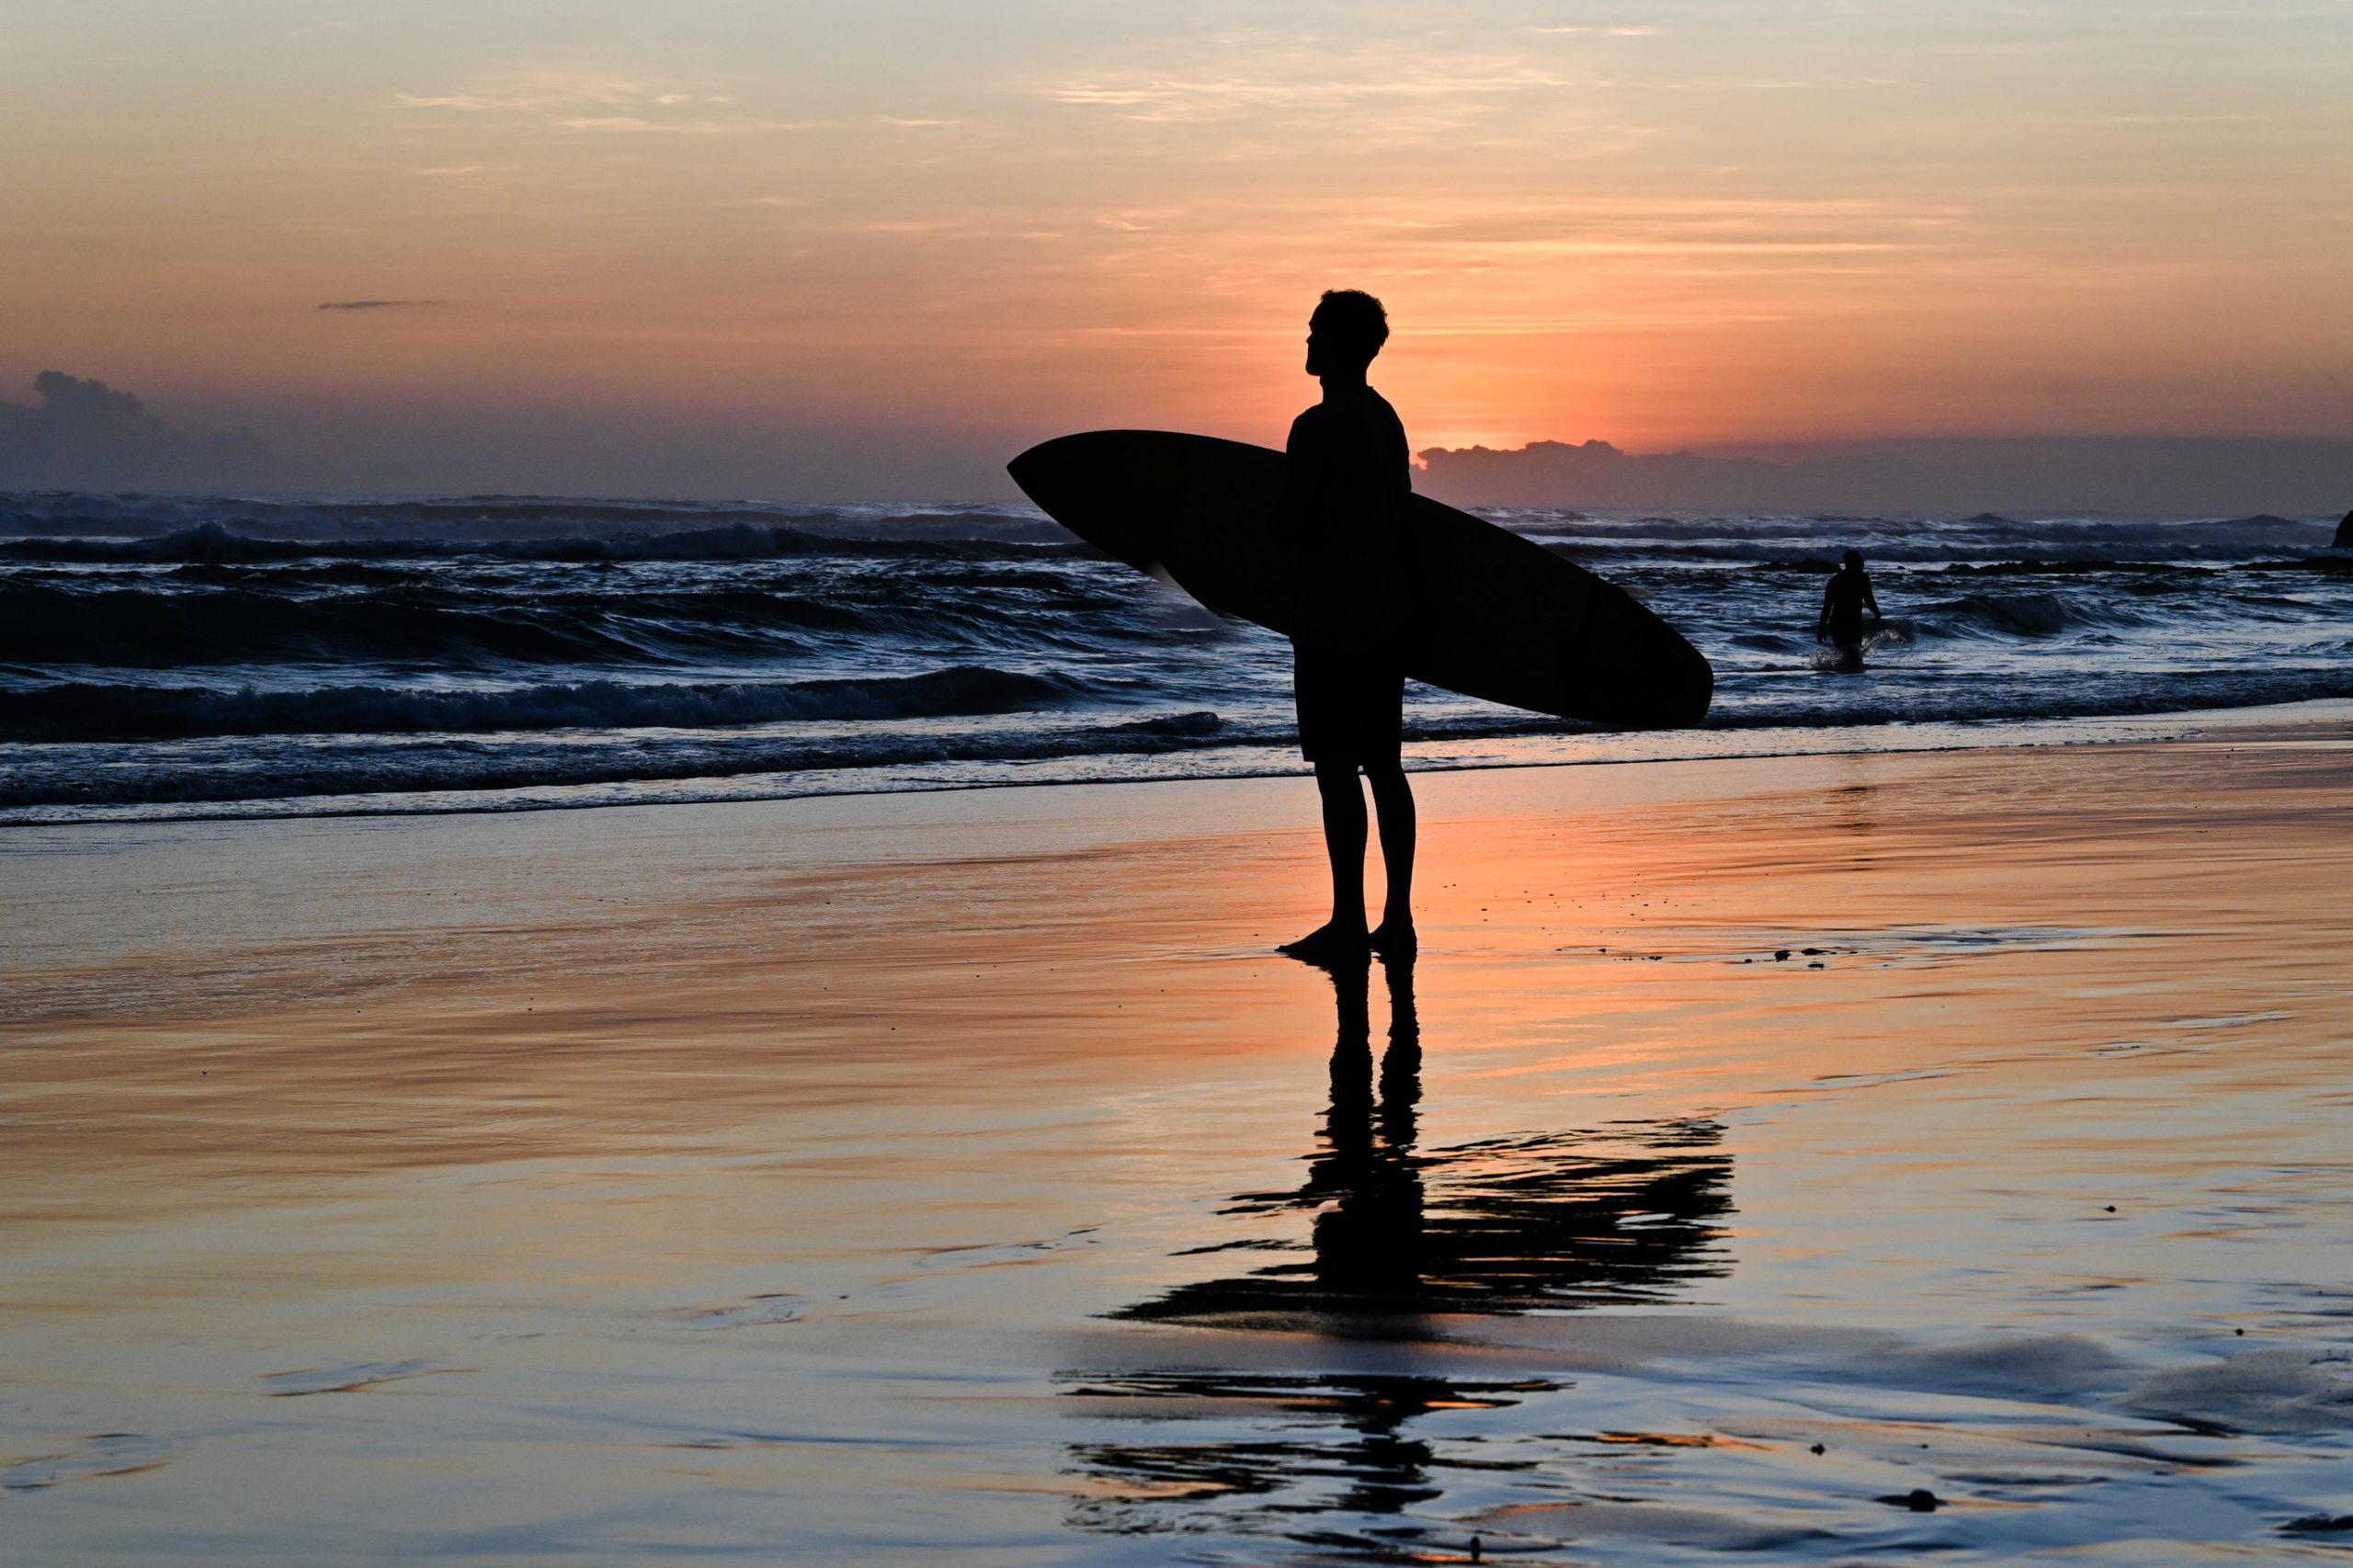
(1355, 320)
(1853, 558)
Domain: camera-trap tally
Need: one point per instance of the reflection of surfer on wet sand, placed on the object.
(1368, 1234)
(1842, 603)
(1521, 1223)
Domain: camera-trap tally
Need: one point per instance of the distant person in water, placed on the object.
(1343, 514)
(1842, 603)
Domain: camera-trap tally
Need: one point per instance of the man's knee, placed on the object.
(1333, 777)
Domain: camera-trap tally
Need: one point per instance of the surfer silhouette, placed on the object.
(1347, 480)
(1842, 603)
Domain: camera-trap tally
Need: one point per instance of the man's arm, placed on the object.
(1297, 518)
(1871, 599)
(1821, 621)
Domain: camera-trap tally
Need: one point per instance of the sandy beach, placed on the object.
(1838, 1157)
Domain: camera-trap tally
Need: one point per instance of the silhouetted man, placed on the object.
(1343, 511)
(2343, 540)
(1842, 603)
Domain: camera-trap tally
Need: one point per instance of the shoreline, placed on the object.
(1953, 736)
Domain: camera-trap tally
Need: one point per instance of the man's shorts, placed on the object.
(1351, 705)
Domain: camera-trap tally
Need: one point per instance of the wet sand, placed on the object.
(875, 1179)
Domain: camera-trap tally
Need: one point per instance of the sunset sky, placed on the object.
(873, 249)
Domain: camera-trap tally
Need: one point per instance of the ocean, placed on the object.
(204, 657)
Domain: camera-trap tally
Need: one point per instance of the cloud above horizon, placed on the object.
(83, 434)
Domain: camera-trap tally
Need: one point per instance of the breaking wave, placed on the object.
(80, 711)
(742, 541)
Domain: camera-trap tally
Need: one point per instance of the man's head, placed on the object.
(1346, 330)
(1853, 561)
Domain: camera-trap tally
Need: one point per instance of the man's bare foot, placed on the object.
(1329, 943)
(1393, 939)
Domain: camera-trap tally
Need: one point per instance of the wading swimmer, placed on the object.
(1347, 481)
(1842, 603)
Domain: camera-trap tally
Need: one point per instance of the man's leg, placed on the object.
(1344, 827)
(1394, 803)
(1343, 842)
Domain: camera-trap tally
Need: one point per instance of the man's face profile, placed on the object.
(1331, 347)
(1319, 343)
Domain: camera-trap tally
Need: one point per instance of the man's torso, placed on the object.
(1351, 474)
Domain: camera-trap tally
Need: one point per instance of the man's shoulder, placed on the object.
(1312, 429)
(1346, 422)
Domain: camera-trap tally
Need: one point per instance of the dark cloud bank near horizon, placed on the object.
(1959, 475)
(82, 435)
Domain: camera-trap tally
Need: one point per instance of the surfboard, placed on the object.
(1495, 616)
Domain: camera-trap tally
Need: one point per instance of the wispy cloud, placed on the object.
(585, 101)
(1261, 73)
(637, 125)
(1207, 97)
(2159, 120)
(582, 98)
(379, 305)
(544, 88)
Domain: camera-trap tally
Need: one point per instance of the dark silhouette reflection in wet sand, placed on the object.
(1401, 1239)
(1624, 1213)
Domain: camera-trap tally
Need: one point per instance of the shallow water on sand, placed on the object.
(872, 1180)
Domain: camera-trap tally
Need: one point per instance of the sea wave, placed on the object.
(473, 772)
(214, 543)
(222, 770)
(140, 623)
(85, 711)
(46, 624)
(2017, 614)
(493, 517)
(1815, 545)
(232, 650)
(144, 527)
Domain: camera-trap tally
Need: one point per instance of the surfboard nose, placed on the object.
(1118, 490)
(1035, 467)
(1065, 478)
(1060, 472)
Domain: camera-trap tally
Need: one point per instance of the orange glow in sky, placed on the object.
(966, 226)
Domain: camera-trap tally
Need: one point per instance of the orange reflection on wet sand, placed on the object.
(669, 1167)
